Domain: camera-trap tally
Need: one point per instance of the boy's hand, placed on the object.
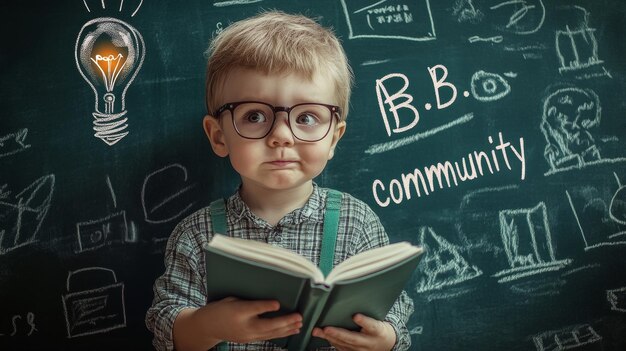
(238, 320)
(374, 335)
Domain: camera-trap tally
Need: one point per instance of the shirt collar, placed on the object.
(313, 209)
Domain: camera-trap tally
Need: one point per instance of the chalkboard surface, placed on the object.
(490, 131)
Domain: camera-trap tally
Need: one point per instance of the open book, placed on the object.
(367, 283)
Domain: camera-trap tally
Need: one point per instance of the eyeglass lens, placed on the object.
(309, 122)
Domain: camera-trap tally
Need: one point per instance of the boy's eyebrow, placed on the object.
(272, 101)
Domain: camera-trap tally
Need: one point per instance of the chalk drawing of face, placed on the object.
(569, 115)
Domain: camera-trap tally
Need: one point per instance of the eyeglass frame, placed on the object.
(230, 106)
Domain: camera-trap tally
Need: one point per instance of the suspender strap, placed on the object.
(218, 216)
(218, 223)
(331, 224)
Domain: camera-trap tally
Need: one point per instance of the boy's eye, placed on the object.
(255, 117)
(307, 119)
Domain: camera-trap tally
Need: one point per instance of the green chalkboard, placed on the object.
(490, 131)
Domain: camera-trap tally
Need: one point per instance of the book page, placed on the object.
(372, 261)
(267, 254)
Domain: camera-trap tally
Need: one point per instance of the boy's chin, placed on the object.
(283, 184)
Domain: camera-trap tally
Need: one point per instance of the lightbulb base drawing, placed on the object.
(110, 127)
(109, 54)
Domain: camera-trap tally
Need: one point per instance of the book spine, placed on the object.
(312, 305)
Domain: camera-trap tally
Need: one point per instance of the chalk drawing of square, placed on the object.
(21, 217)
(527, 242)
(566, 338)
(97, 233)
(595, 210)
(577, 49)
(617, 299)
(407, 20)
(96, 310)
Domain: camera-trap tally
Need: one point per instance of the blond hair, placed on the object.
(274, 43)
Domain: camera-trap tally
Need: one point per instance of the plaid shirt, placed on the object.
(183, 283)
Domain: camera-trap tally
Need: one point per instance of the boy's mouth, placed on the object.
(282, 163)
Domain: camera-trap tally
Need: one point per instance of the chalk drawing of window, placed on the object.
(93, 309)
(21, 215)
(570, 117)
(617, 299)
(13, 143)
(393, 19)
(527, 242)
(567, 338)
(577, 47)
(442, 264)
(600, 224)
(97, 233)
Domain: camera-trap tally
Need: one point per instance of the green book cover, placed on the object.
(367, 283)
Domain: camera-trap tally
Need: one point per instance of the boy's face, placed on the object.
(278, 161)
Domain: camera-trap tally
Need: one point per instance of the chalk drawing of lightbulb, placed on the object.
(109, 54)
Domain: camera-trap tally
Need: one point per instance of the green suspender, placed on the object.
(218, 216)
(329, 238)
(218, 223)
(331, 223)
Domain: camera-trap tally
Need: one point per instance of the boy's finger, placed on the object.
(261, 306)
(370, 325)
(317, 332)
(230, 298)
(271, 325)
(284, 328)
(271, 328)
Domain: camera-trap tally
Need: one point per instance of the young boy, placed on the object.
(278, 87)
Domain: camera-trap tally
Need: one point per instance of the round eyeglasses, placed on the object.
(307, 121)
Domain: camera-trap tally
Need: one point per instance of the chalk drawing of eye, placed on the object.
(489, 86)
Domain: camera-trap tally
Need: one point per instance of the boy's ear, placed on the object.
(214, 132)
(337, 134)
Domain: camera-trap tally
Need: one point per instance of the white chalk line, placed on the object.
(391, 145)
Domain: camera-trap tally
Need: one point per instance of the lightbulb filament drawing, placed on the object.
(109, 54)
(110, 69)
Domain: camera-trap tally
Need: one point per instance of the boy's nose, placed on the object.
(280, 135)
